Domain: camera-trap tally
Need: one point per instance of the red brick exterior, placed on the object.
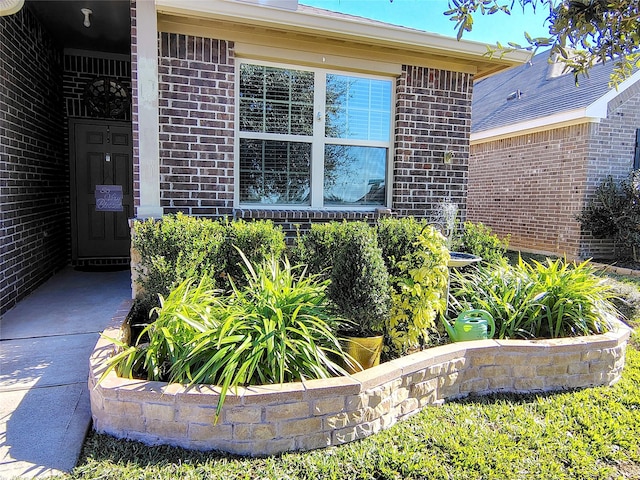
(135, 126)
(197, 109)
(433, 116)
(533, 186)
(80, 69)
(34, 175)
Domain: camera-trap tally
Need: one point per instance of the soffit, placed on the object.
(329, 35)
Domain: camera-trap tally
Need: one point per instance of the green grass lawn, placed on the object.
(586, 434)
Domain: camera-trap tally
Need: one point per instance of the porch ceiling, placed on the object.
(109, 30)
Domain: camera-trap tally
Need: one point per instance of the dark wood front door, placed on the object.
(102, 185)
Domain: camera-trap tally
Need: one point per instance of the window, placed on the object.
(310, 137)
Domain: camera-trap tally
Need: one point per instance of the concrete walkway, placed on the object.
(45, 343)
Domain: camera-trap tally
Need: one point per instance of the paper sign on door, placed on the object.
(108, 198)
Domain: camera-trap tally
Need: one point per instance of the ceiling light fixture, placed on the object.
(86, 12)
(9, 7)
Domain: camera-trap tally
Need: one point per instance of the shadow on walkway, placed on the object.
(45, 343)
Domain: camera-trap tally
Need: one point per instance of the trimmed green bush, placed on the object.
(174, 249)
(257, 240)
(317, 247)
(477, 239)
(180, 246)
(359, 286)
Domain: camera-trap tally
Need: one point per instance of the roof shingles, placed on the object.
(539, 96)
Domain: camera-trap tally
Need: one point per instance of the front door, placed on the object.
(102, 185)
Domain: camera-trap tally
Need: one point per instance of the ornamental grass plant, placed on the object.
(276, 328)
(537, 300)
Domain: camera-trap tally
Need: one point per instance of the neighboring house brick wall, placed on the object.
(612, 149)
(33, 171)
(532, 187)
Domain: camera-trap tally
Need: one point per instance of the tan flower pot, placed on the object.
(364, 350)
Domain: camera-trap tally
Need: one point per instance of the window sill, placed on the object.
(291, 215)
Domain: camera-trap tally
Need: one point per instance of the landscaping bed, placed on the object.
(271, 419)
(237, 349)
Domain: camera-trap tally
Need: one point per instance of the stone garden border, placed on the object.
(267, 420)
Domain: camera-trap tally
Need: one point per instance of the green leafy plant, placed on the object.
(276, 328)
(184, 313)
(614, 213)
(316, 248)
(397, 237)
(359, 286)
(419, 293)
(477, 239)
(536, 300)
(179, 246)
(500, 289)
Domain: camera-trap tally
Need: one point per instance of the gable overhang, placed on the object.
(306, 28)
(592, 113)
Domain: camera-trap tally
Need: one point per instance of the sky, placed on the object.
(428, 15)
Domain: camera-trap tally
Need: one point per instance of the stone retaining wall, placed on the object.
(266, 420)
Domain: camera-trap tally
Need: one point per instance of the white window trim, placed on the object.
(318, 141)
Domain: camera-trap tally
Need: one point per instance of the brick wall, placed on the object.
(82, 68)
(532, 187)
(135, 127)
(433, 116)
(34, 174)
(611, 152)
(197, 107)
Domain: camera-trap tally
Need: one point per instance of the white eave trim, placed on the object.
(592, 113)
(340, 27)
(571, 117)
(600, 106)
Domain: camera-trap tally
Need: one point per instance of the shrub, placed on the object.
(397, 237)
(274, 329)
(175, 248)
(258, 240)
(626, 299)
(419, 293)
(179, 247)
(317, 247)
(477, 239)
(614, 213)
(535, 300)
(359, 286)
